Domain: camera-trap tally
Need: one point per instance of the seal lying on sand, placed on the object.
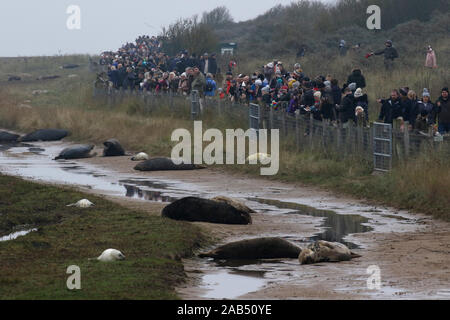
(164, 164)
(113, 148)
(238, 205)
(324, 251)
(8, 137)
(261, 248)
(204, 210)
(76, 152)
(45, 135)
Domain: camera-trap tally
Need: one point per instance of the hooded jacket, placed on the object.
(347, 108)
(357, 78)
(390, 110)
(443, 110)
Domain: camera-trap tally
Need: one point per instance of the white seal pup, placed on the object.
(84, 203)
(141, 156)
(110, 255)
(261, 157)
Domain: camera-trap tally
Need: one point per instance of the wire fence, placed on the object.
(383, 145)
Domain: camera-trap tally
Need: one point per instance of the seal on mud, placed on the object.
(113, 148)
(204, 210)
(324, 251)
(8, 137)
(238, 205)
(76, 152)
(260, 248)
(45, 135)
(164, 164)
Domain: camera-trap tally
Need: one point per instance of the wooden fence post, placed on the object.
(271, 118)
(406, 139)
(297, 130)
(311, 130)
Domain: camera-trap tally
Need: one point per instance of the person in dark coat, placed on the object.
(113, 76)
(308, 95)
(129, 80)
(213, 64)
(443, 112)
(327, 104)
(358, 78)
(426, 108)
(347, 107)
(390, 108)
(390, 54)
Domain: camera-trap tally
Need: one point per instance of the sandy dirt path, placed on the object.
(410, 250)
(413, 261)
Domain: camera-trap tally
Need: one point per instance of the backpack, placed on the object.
(209, 86)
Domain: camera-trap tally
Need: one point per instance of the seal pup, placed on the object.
(324, 251)
(251, 249)
(110, 255)
(261, 157)
(84, 203)
(76, 152)
(141, 156)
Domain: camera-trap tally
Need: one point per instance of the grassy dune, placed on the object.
(34, 266)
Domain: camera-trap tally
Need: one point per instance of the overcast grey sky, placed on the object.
(38, 27)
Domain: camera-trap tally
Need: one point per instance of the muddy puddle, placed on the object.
(215, 279)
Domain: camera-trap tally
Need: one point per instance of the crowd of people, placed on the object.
(143, 66)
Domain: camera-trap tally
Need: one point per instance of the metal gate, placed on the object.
(382, 146)
(254, 116)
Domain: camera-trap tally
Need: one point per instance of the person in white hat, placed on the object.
(361, 100)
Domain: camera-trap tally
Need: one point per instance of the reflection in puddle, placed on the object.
(337, 226)
(229, 285)
(156, 196)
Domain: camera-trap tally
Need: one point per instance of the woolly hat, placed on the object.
(258, 82)
(359, 110)
(445, 89)
(425, 93)
(404, 91)
(266, 89)
(317, 94)
(358, 93)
